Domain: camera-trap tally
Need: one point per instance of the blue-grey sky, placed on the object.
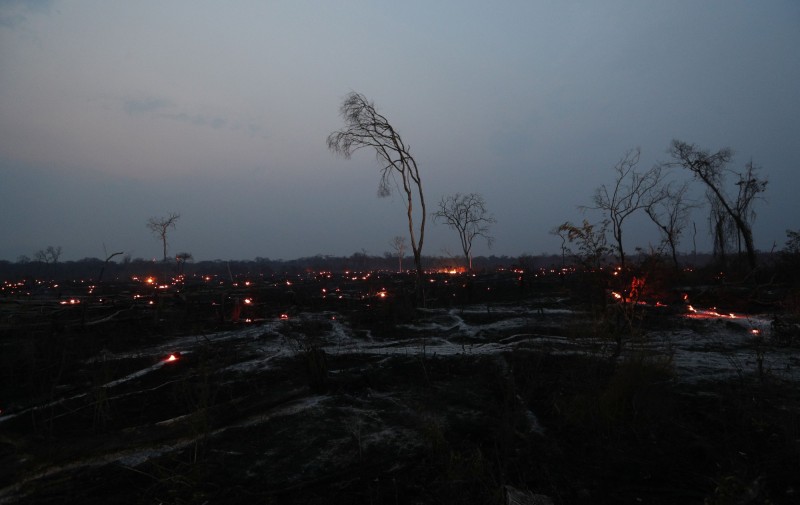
(114, 111)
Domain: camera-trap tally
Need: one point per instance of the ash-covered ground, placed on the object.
(327, 394)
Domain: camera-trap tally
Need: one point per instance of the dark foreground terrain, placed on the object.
(528, 395)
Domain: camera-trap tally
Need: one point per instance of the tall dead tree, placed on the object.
(631, 191)
(366, 128)
(160, 227)
(710, 169)
(467, 215)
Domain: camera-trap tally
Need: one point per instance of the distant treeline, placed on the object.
(95, 269)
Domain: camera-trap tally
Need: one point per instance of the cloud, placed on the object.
(161, 108)
(135, 106)
(14, 12)
(197, 119)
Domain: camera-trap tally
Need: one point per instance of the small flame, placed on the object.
(171, 358)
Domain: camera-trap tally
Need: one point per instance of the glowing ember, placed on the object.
(171, 358)
(284, 316)
(709, 314)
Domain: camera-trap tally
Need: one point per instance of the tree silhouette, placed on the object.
(366, 128)
(710, 169)
(467, 215)
(160, 226)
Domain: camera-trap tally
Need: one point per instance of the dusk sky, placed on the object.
(112, 112)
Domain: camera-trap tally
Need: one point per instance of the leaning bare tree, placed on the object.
(365, 127)
(710, 169)
(467, 215)
(632, 190)
(160, 226)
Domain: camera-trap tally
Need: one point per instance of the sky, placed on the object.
(113, 112)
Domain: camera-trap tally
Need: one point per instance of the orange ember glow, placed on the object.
(171, 358)
(709, 314)
(284, 316)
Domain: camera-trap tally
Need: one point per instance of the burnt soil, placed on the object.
(360, 402)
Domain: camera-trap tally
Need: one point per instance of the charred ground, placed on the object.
(335, 388)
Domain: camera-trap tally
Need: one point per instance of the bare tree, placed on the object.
(366, 128)
(160, 226)
(181, 258)
(48, 255)
(562, 233)
(630, 192)
(670, 213)
(398, 243)
(467, 215)
(109, 257)
(710, 169)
